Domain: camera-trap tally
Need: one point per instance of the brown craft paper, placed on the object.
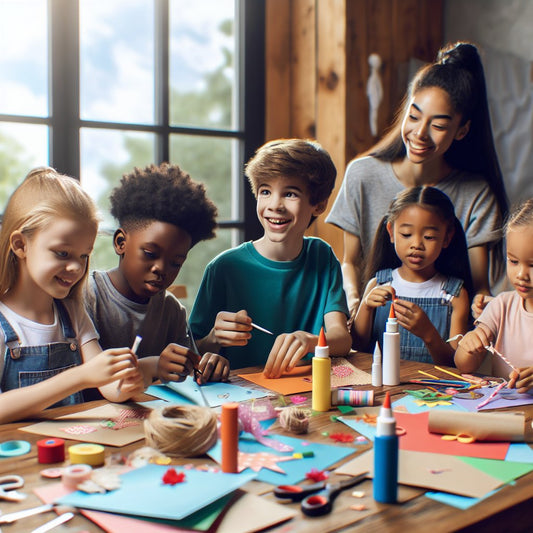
(431, 471)
(502, 427)
(94, 419)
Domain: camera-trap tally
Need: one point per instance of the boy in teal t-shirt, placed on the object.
(285, 282)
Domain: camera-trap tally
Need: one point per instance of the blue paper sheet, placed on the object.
(409, 402)
(325, 455)
(188, 392)
(143, 493)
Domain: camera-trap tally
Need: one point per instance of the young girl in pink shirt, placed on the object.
(507, 321)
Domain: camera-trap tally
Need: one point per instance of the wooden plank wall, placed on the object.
(317, 69)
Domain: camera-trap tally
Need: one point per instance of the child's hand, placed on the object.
(522, 381)
(232, 329)
(379, 296)
(479, 303)
(135, 384)
(412, 318)
(176, 363)
(214, 368)
(288, 349)
(110, 365)
(474, 342)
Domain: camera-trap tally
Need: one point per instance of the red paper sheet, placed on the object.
(418, 438)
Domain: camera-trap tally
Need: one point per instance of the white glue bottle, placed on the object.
(321, 376)
(391, 350)
(377, 372)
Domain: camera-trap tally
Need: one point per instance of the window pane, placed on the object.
(193, 269)
(22, 147)
(117, 61)
(209, 160)
(106, 155)
(202, 63)
(23, 61)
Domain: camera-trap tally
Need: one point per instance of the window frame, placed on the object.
(64, 92)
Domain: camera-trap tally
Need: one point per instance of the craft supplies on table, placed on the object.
(229, 436)
(87, 454)
(321, 375)
(50, 451)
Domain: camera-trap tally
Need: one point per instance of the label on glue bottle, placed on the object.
(391, 351)
(321, 376)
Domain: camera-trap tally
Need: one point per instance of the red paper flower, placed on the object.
(317, 475)
(172, 477)
(342, 437)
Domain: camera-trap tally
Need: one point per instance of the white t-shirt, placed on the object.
(35, 334)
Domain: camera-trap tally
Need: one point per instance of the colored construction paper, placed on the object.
(454, 500)
(430, 470)
(505, 471)
(227, 515)
(216, 393)
(505, 398)
(409, 402)
(98, 425)
(292, 382)
(418, 438)
(142, 493)
(325, 455)
(519, 452)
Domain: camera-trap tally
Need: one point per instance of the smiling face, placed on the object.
(419, 235)
(54, 258)
(430, 125)
(150, 259)
(520, 262)
(284, 211)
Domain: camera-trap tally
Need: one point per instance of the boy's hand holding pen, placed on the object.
(234, 329)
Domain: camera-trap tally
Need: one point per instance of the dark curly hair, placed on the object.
(167, 194)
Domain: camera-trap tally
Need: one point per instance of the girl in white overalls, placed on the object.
(49, 346)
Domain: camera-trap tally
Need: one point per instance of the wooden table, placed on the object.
(508, 510)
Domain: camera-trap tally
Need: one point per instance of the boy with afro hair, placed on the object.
(162, 213)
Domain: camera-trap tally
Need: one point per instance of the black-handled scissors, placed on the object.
(317, 499)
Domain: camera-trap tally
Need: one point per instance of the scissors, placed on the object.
(317, 499)
(8, 484)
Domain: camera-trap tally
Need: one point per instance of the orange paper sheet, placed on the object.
(293, 382)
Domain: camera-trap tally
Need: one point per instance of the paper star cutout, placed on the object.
(256, 461)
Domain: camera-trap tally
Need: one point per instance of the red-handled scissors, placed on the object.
(317, 499)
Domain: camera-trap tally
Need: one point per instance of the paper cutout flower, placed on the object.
(172, 477)
(342, 437)
(298, 399)
(317, 475)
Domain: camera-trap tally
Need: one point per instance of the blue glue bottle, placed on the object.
(386, 455)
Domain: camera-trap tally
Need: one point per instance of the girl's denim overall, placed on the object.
(27, 365)
(438, 310)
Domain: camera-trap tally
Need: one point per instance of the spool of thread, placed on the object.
(88, 454)
(352, 397)
(50, 451)
(294, 419)
(73, 475)
(181, 430)
(229, 434)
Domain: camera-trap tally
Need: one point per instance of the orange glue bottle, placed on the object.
(321, 370)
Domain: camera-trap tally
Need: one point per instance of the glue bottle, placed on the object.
(391, 350)
(321, 369)
(385, 485)
(377, 372)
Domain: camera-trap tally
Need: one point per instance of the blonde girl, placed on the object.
(507, 320)
(49, 345)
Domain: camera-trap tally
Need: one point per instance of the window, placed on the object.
(96, 87)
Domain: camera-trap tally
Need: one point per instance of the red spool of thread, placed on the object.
(50, 451)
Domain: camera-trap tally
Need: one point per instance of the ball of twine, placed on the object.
(294, 419)
(181, 430)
